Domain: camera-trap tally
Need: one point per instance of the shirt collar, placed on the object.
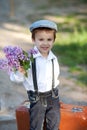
(38, 54)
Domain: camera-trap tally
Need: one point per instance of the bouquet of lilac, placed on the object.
(16, 57)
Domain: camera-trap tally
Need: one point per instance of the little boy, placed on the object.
(42, 82)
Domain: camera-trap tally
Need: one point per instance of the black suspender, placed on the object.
(53, 82)
(35, 77)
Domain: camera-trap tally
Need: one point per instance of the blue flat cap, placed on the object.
(43, 23)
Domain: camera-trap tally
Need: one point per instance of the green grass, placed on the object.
(82, 78)
(73, 51)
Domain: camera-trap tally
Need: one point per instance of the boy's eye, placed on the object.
(41, 39)
(49, 39)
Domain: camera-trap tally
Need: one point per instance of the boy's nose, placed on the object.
(45, 41)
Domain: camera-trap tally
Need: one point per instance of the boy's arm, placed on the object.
(17, 77)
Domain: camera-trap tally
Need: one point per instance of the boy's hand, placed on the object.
(21, 69)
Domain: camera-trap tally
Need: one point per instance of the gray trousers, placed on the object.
(50, 112)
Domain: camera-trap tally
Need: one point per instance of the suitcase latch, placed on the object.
(76, 109)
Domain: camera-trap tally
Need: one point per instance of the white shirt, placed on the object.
(43, 72)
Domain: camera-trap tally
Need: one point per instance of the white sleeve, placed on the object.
(17, 77)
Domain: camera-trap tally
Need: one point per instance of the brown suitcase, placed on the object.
(73, 117)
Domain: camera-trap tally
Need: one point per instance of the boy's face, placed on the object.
(44, 41)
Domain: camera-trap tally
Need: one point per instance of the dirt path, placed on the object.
(14, 31)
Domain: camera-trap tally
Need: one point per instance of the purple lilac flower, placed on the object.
(13, 54)
(16, 57)
(3, 64)
(31, 52)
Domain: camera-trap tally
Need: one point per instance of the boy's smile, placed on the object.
(44, 41)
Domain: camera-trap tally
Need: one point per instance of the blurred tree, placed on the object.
(11, 8)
